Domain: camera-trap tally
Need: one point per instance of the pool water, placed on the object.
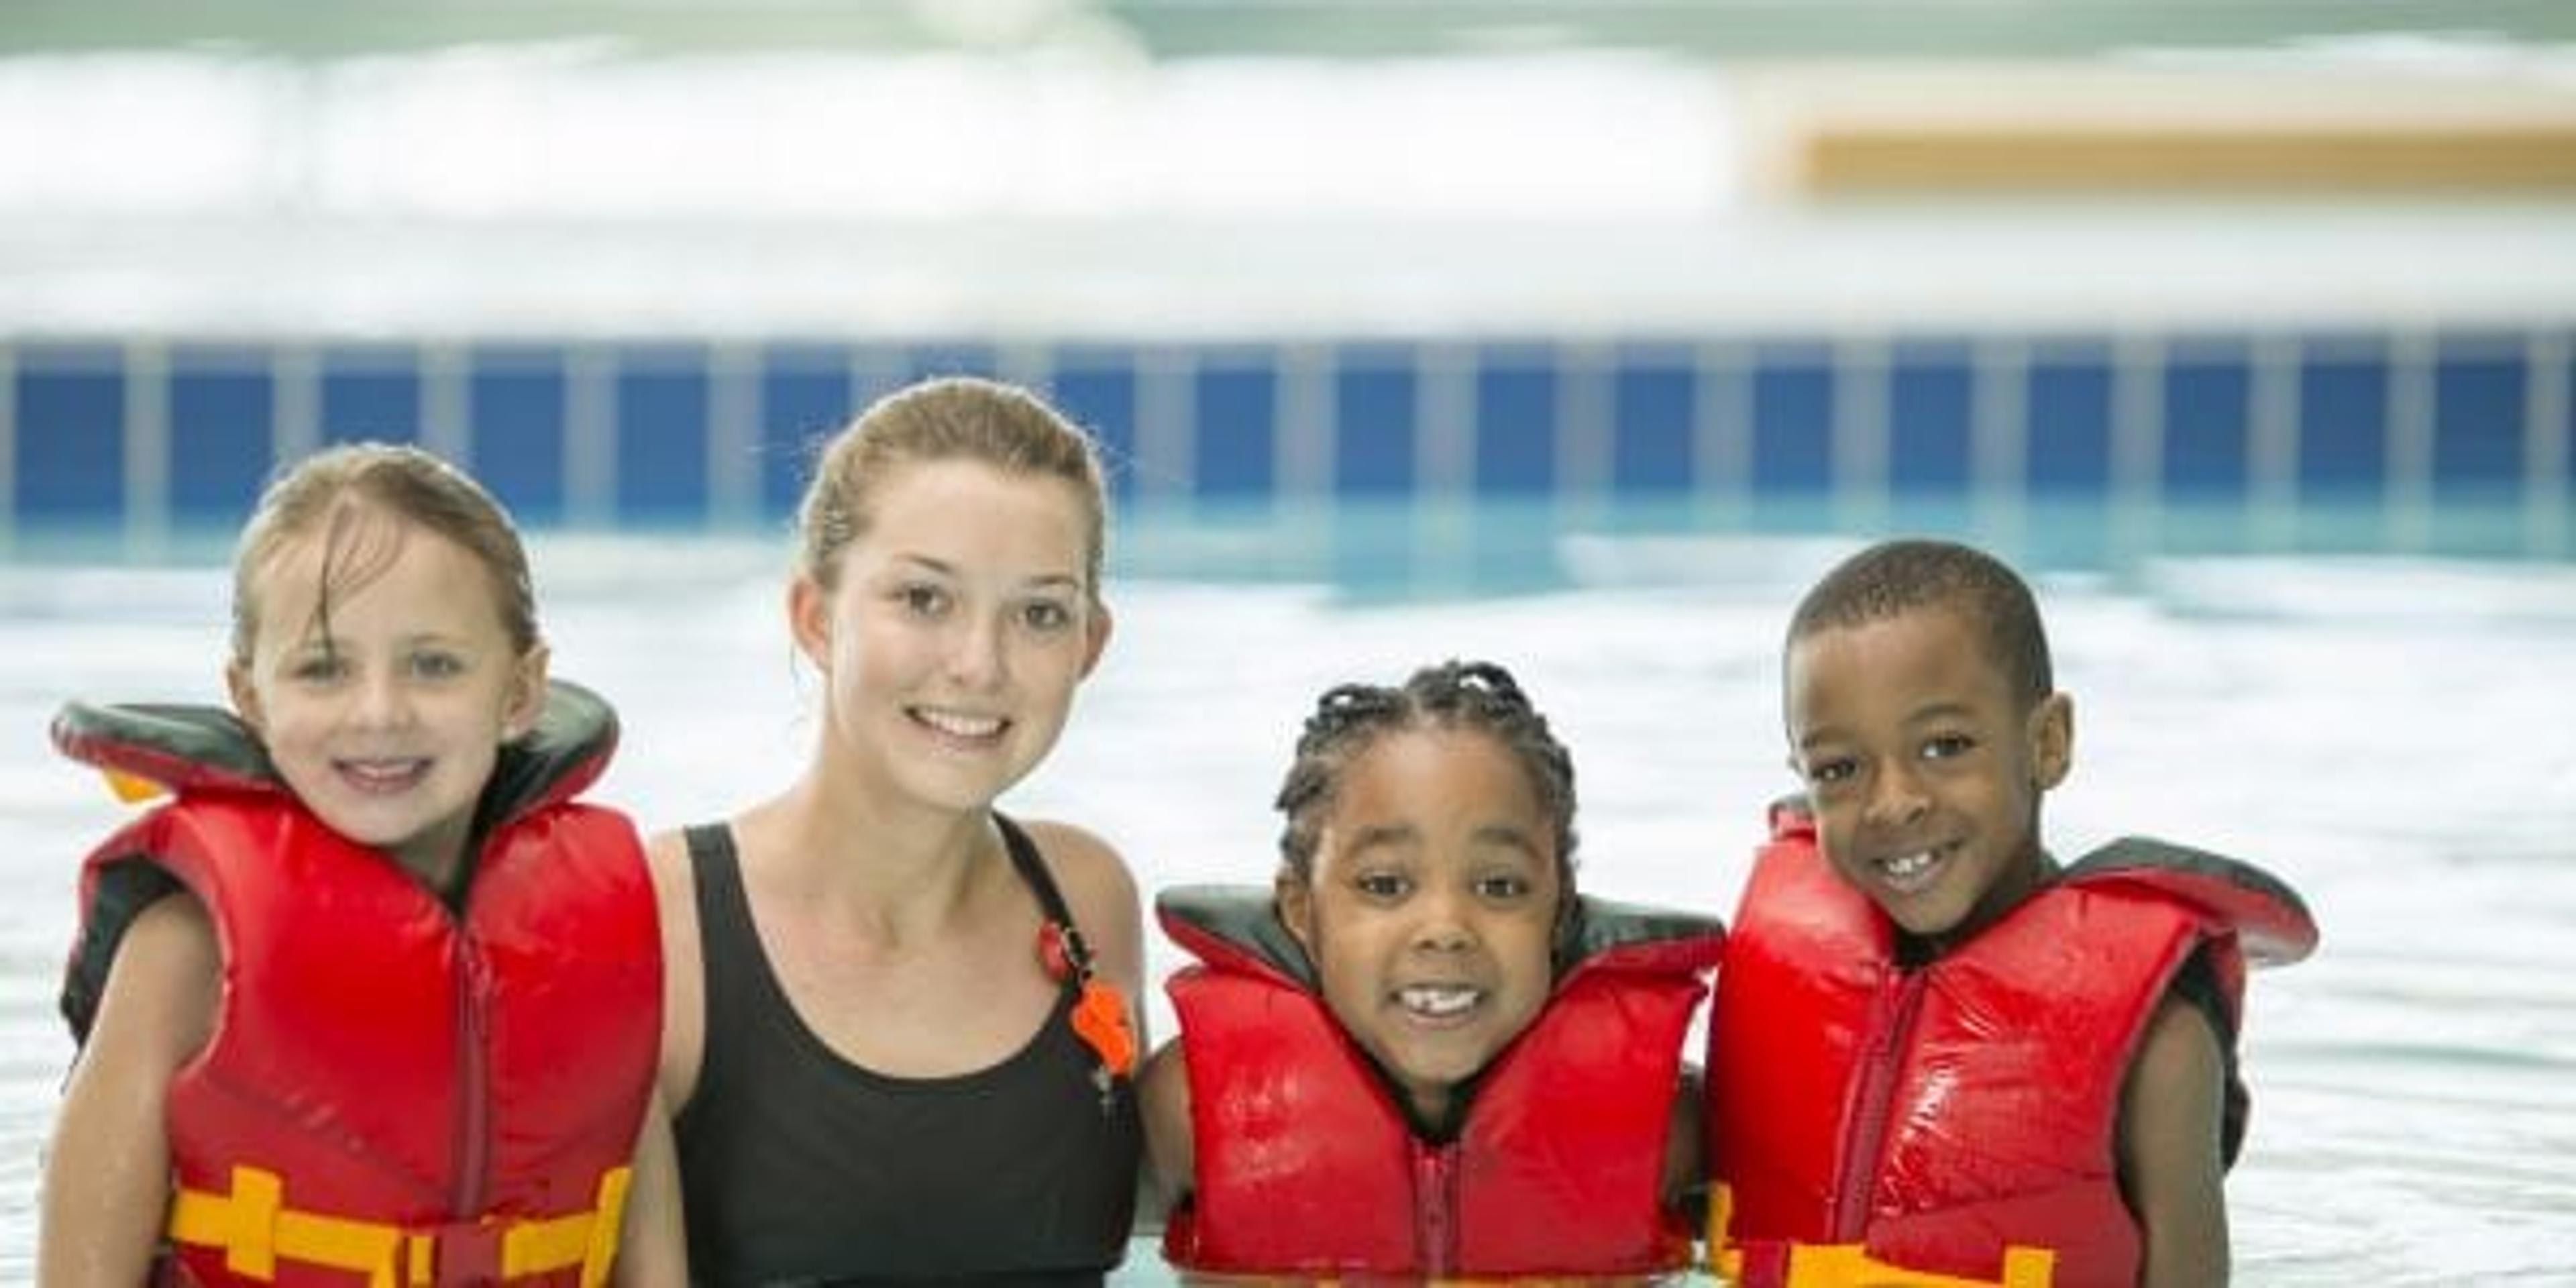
(2396, 737)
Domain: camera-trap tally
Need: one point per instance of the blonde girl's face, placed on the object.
(388, 727)
(962, 623)
(1431, 907)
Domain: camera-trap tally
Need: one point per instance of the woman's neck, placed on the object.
(904, 870)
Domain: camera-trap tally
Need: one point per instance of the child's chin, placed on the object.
(1917, 917)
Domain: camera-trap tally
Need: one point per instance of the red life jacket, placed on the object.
(1958, 1118)
(393, 1092)
(1307, 1165)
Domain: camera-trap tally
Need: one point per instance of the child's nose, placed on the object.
(1444, 925)
(381, 701)
(1896, 798)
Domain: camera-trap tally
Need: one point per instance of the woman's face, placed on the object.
(960, 625)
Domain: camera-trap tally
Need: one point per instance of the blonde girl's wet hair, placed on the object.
(358, 499)
(944, 419)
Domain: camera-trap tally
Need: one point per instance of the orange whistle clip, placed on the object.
(1100, 1020)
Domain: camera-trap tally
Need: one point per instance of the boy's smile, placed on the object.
(1924, 769)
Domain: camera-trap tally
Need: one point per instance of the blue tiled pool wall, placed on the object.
(2438, 442)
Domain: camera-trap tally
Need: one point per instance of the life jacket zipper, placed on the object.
(1891, 1033)
(473, 1081)
(1435, 1207)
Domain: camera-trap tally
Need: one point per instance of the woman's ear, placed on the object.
(809, 619)
(1097, 628)
(2052, 739)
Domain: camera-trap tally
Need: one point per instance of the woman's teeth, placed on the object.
(959, 726)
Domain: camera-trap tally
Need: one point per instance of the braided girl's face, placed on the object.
(1432, 906)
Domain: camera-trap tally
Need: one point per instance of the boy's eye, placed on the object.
(1830, 770)
(1944, 746)
(1504, 887)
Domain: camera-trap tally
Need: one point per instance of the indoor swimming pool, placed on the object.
(2395, 735)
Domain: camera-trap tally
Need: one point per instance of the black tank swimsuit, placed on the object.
(799, 1167)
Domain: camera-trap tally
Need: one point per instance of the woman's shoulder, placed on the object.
(1081, 860)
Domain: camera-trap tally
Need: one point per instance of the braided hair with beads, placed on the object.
(1477, 697)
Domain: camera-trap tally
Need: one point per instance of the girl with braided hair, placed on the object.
(1420, 1053)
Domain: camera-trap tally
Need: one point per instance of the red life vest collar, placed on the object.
(1238, 927)
(199, 748)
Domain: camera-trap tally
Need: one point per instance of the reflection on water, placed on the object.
(2397, 739)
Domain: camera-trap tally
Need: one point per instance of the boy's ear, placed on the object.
(2052, 739)
(1296, 903)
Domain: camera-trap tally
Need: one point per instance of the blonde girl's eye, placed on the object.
(437, 664)
(317, 668)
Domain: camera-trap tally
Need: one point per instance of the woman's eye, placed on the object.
(925, 600)
(1046, 615)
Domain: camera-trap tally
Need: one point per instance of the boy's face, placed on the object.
(1924, 768)
(1432, 907)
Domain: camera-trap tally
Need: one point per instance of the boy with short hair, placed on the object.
(1934, 1049)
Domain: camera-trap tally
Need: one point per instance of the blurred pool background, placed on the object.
(1577, 336)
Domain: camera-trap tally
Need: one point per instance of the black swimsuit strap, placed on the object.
(1033, 870)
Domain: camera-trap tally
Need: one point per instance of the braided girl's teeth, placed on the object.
(1433, 1000)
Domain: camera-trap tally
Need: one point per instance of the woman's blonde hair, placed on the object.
(948, 418)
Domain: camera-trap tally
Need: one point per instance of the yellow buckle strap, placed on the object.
(1724, 1260)
(256, 1230)
(1849, 1265)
